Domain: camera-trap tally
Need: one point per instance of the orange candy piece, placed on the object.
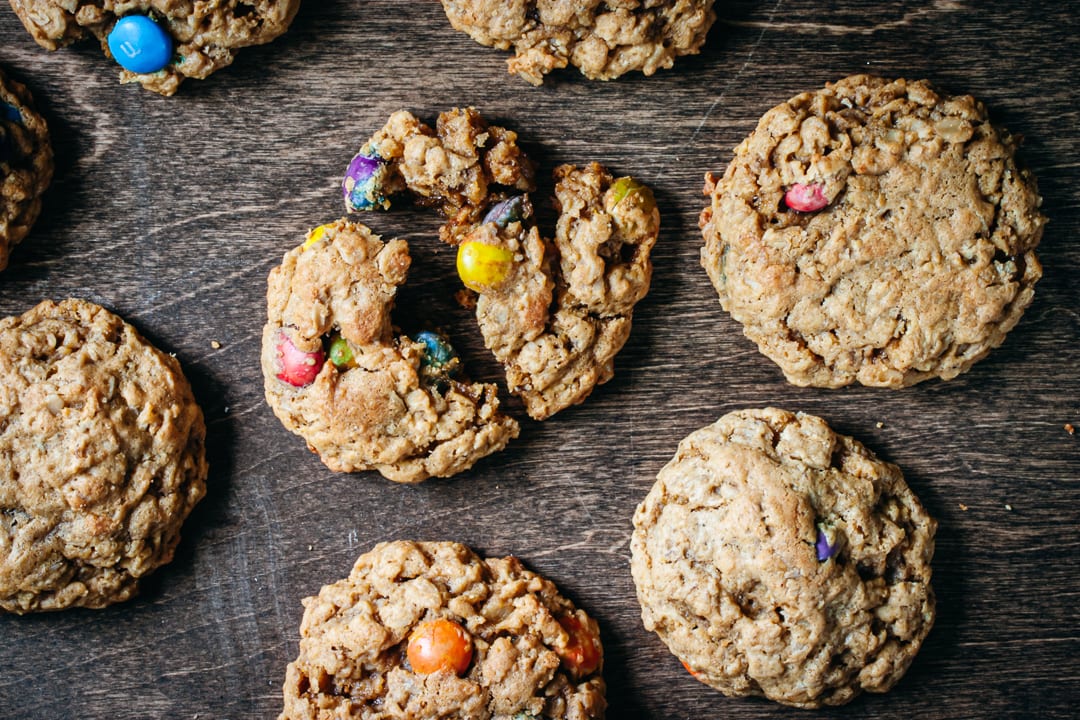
(439, 645)
(581, 656)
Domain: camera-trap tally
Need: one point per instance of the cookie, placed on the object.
(876, 231)
(426, 630)
(555, 312)
(777, 558)
(602, 40)
(101, 457)
(159, 43)
(363, 396)
(26, 164)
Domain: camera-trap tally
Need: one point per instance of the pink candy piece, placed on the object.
(805, 198)
(298, 368)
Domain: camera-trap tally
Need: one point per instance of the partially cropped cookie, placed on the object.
(26, 164)
(603, 40)
(777, 558)
(429, 630)
(363, 396)
(159, 43)
(875, 231)
(101, 457)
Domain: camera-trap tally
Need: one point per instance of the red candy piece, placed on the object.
(582, 653)
(298, 368)
(805, 198)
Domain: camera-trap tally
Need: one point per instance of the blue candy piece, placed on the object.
(363, 183)
(437, 352)
(140, 45)
(506, 212)
(826, 545)
(10, 112)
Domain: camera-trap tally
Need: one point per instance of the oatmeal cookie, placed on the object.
(554, 312)
(361, 396)
(777, 558)
(180, 38)
(26, 164)
(101, 457)
(874, 231)
(602, 39)
(426, 630)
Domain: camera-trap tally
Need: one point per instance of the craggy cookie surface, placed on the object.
(777, 558)
(430, 630)
(874, 231)
(602, 39)
(361, 396)
(556, 312)
(26, 164)
(204, 35)
(101, 457)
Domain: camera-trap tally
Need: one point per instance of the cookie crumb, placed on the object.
(879, 424)
(215, 344)
(1070, 429)
(1008, 507)
(963, 507)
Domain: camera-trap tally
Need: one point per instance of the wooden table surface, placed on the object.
(171, 211)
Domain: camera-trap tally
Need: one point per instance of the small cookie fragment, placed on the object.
(26, 164)
(426, 630)
(777, 558)
(603, 40)
(337, 374)
(461, 166)
(564, 308)
(186, 39)
(101, 458)
(876, 231)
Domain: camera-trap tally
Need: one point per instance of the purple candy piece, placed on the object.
(825, 549)
(506, 212)
(363, 183)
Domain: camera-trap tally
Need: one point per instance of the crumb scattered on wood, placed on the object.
(215, 344)
(1070, 429)
(1008, 507)
(963, 507)
(880, 424)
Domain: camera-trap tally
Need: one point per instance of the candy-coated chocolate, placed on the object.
(805, 198)
(506, 212)
(438, 353)
(315, 235)
(483, 267)
(440, 644)
(341, 353)
(581, 656)
(363, 183)
(10, 112)
(140, 45)
(826, 544)
(297, 367)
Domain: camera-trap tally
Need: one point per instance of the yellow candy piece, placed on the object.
(315, 235)
(483, 267)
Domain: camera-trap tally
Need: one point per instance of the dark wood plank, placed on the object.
(172, 211)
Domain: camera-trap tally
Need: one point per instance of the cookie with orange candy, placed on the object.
(426, 630)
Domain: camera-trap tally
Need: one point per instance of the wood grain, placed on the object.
(172, 211)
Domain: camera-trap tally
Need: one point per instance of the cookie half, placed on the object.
(26, 164)
(875, 231)
(363, 396)
(777, 558)
(426, 630)
(193, 39)
(101, 457)
(603, 40)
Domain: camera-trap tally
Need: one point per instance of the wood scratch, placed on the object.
(612, 548)
(749, 58)
(939, 6)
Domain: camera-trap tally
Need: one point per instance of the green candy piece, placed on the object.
(626, 187)
(341, 353)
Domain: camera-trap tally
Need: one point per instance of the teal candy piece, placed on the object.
(437, 351)
(10, 112)
(140, 45)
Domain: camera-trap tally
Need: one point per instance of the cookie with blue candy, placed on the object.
(26, 164)
(159, 43)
